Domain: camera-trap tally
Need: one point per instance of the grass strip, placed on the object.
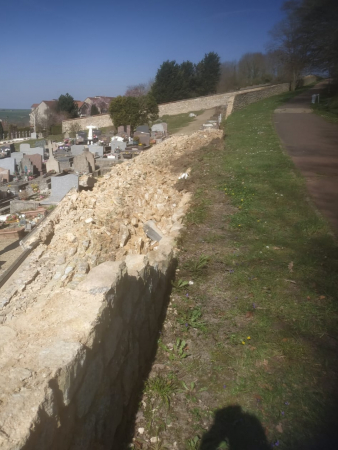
(248, 353)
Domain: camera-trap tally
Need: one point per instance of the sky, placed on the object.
(89, 48)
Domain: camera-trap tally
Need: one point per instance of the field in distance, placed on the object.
(15, 116)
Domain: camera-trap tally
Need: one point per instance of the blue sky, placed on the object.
(89, 48)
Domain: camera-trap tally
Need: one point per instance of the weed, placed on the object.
(179, 349)
(180, 284)
(193, 443)
(161, 388)
(196, 267)
(192, 318)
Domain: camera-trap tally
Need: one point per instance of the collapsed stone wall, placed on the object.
(79, 320)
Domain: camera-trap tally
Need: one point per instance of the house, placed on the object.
(100, 101)
(40, 111)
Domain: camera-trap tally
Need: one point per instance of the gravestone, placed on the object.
(84, 163)
(27, 166)
(96, 149)
(33, 135)
(117, 144)
(77, 149)
(143, 129)
(17, 156)
(4, 175)
(24, 147)
(60, 186)
(128, 130)
(120, 130)
(52, 164)
(65, 163)
(41, 144)
(160, 127)
(34, 151)
(144, 138)
(9, 164)
(36, 161)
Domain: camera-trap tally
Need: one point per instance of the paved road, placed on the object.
(312, 144)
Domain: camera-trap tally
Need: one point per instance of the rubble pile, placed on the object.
(107, 223)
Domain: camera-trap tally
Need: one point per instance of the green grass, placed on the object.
(178, 121)
(260, 321)
(31, 142)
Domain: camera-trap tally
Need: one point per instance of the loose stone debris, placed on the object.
(128, 211)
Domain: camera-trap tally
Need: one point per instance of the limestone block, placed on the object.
(103, 277)
(70, 376)
(136, 265)
(89, 386)
(112, 339)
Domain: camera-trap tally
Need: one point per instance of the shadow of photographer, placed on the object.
(234, 429)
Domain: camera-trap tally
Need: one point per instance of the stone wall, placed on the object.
(212, 101)
(101, 120)
(194, 104)
(243, 99)
(71, 386)
(79, 319)
(185, 106)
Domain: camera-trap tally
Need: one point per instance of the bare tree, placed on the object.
(137, 90)
(229, 77)
(286, 41)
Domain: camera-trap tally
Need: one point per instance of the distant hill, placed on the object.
(15, 116)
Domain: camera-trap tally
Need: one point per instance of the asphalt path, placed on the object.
(312, 143)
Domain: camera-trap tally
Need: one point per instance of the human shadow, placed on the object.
(236, 429)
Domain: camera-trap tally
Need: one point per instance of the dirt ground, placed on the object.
(197, 123)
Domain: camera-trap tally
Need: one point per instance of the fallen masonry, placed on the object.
(80, 317)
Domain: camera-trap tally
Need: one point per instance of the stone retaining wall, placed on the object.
(243, 99)
(71, 386)
(101, 120)
(185, 106)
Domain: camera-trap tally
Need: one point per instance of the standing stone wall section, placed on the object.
(212, 101)
(243, 99)
(99, 121)
(186, 106)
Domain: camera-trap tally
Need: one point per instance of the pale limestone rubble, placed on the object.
(52, 304)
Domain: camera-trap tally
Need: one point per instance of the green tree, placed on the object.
(1, 130)
(133, 111)
(94, 110)
(208, 73)
(67, 105)
(166, 86)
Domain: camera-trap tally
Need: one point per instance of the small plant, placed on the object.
(179, 284)
(161, 388)
(197, 266)
(193, 443)
(179, 349)
(192, 319)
